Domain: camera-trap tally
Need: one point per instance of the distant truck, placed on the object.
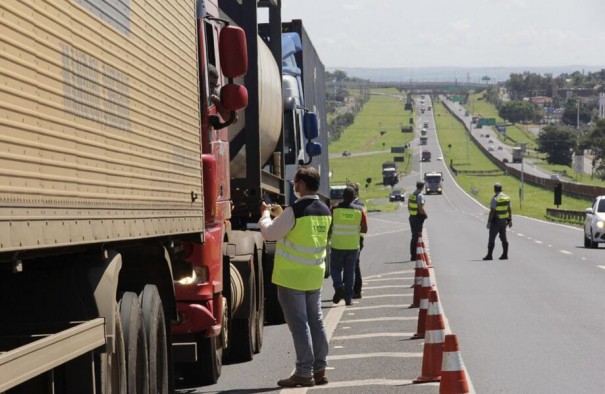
(517, 154)
(426, 156)
(425, 124)
(424, 140)
(433, 181)
(390, 176)
(336, 192)
(423, 132)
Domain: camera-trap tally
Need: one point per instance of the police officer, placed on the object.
(417, 216)
(348, 222)
(301, 232)
(500, 216)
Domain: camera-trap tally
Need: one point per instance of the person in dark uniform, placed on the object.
(500, 217)
(417, 216)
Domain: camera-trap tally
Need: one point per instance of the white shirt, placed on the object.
(274, 229)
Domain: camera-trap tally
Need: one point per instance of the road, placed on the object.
(531, 324)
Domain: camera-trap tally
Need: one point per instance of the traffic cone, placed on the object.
(420, 264)
(420, 249)
(424, 303)
(433, 345)
(453, 377)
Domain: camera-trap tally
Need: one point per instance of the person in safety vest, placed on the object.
(417, 216)
(348, 222)
(500, 216)
(301, 232)
(358, 280)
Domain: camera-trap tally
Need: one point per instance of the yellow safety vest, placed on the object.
(299, 256)
(413, 204)
(503, 202)
(346, 226)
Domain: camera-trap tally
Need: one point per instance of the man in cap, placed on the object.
(500, 216)
(417, 216)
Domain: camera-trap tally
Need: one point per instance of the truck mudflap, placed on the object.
(26, 362)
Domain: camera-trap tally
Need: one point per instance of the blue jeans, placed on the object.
(343, 260)
(302, 311)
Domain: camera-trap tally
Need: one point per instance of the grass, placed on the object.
(385, 112)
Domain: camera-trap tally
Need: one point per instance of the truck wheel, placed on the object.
(136, 344)
(157, 343)
(115, 365)
(243, 331)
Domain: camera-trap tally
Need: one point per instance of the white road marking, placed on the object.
(538, 242)
(384, 279)
(601, 267)
(565, 252)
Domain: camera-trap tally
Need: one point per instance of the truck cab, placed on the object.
(423, 140)
(433, 182)
(426, 156)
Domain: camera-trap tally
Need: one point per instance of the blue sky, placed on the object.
(446, 33)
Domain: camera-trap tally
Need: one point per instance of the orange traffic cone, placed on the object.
(420, 265)
(433, 345)
(453, 377)
(420, 249)
(424, 303)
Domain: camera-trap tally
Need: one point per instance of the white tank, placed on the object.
(271, 112)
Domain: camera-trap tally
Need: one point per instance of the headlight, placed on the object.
(600, 224)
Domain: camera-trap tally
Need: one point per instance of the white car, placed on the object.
(594, 225)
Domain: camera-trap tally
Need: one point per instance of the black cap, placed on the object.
(497, 187)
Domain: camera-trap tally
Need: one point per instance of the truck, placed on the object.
(426, 155)
(433, 182)
(390, 175)
(517, 152)
(424, 140)
(128, 255)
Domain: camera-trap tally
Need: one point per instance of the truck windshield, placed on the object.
(433, 179)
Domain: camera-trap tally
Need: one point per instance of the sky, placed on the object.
(449, 33)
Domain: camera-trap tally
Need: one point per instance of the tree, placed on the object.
(594, 140)
(518, 111)
(570, 112)
(558, 142)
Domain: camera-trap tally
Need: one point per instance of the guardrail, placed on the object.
(565, 215)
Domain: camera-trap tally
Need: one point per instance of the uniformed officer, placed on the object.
(358, 279)
(417, 216)
(500, 216)
(301, 232)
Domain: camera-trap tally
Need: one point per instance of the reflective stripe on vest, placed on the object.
(299, 257)
(503, 202)
(413, 204)
(346, 226)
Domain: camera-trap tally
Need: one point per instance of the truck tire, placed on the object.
(157, 342)
(114, 368)
(243, 330)
(136, 344)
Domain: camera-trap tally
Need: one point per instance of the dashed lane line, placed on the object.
(385, 279)
(370, 383)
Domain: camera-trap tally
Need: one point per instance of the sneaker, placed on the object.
(338, 295)
(320, 378)
(357, 296)
(486, 258)
(349, 303)
(297, 381)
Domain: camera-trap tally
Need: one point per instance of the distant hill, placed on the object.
(454, 74)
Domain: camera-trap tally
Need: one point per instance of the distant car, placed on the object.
(555, 177)
(396, 195)
(440, 158)
(491, 141)
(499, 147)
(490, 148)
(346, 153)
(505, 160)
(594, 224)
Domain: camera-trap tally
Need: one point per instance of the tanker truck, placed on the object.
(121, 265)
(281, 127)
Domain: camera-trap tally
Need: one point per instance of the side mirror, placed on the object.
(313, 149)
(233, 52)
(588, 210)
(310, 125)
(234, 97)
